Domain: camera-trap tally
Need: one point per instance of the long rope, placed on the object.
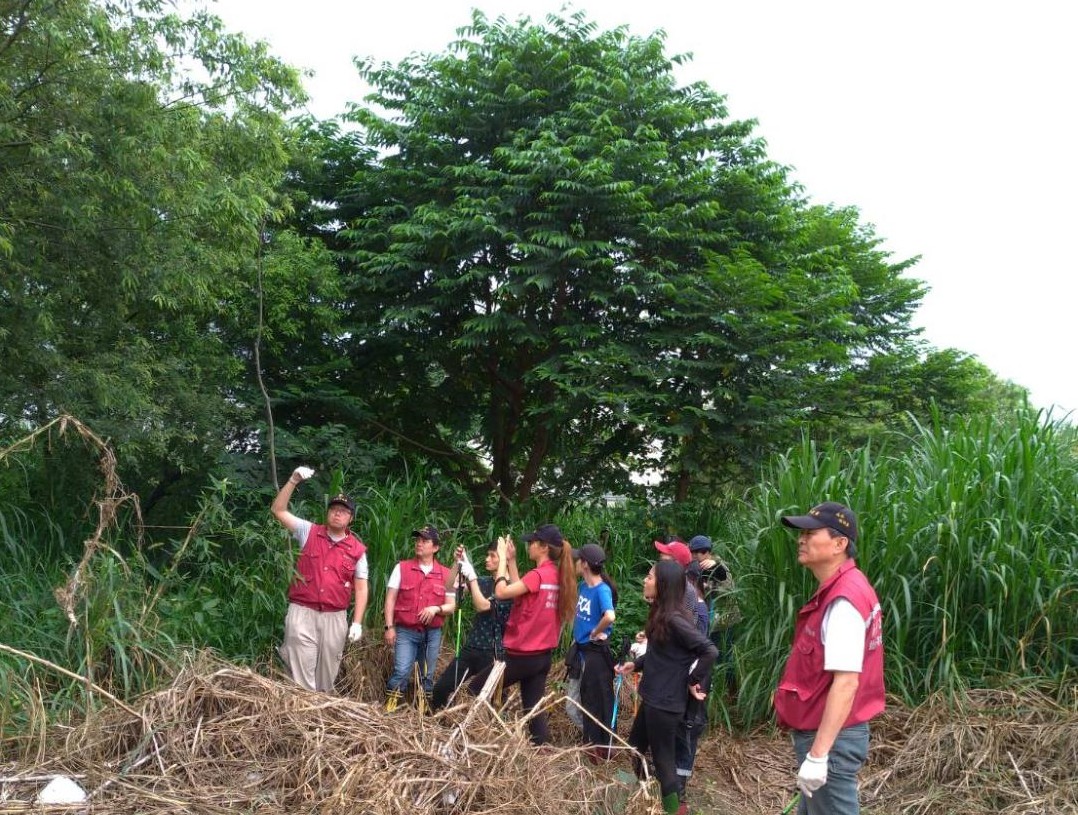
(270, 443)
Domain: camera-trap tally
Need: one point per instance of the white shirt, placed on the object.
(843, 637)
(394, 581)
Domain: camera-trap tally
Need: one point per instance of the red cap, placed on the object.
(677, 550)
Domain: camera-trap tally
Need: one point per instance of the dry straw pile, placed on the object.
(1008, 752)
(998, 753)
(225, 739)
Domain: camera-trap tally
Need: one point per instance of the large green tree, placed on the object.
(565, 266)
(141, 154)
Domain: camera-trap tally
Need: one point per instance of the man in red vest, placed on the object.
(332, 568)
(833, 682)
(417, 604)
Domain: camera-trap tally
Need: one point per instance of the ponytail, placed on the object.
(600, 572)
(566, 582)
(610, 582)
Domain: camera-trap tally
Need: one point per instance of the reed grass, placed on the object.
(969, 533)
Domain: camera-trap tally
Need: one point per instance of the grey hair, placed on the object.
(851, 545)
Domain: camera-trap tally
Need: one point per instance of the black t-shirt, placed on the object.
(666, 666)
(488, 626)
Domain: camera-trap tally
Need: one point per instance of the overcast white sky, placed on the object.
(948, 123)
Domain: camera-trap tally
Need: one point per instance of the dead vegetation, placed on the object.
(1005, 753)
(226, 739)
(1008, 752)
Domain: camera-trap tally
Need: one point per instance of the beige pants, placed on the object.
(314, 645)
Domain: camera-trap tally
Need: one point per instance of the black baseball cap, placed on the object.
(830, 515)
(592, 553)
(547, 533)
(344, 501)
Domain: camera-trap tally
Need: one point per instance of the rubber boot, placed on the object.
(393, 699)
(422, 702)
(671, 803)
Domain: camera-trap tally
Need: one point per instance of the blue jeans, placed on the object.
(839, 795)
(689, 731)
(412, 647)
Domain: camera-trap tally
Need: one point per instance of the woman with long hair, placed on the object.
(674, 645)
(695, 722)
(543, 601)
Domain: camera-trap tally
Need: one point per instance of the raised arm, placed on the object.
(507, 584)
(279, 507)
(480, 602)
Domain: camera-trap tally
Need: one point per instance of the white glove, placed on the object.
(813, 774)
(303, 473)
(355, 631)
(467, 570)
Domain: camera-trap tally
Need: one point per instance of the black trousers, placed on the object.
(531, 671)
(471, 665)
(655, 731)
(597, 691)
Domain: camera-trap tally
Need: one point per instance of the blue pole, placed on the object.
(617, 700)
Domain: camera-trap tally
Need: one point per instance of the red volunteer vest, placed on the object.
(417, 591)
(533, 623)
(802, 691)
(325, 571)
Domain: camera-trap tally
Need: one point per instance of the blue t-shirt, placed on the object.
(592, 602)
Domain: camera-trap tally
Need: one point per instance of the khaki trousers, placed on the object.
(314, 645)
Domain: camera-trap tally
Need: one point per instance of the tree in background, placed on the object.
(304, 355)
(140, 154)
(564, 267)
(842, 363)
(539, 265)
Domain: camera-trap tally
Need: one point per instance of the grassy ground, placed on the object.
(970, 535)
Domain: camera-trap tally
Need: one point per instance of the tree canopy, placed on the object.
(140, 155)
(536, 262)
(561, 268)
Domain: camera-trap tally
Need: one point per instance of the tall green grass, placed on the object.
(969, 533)
(111, 643)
